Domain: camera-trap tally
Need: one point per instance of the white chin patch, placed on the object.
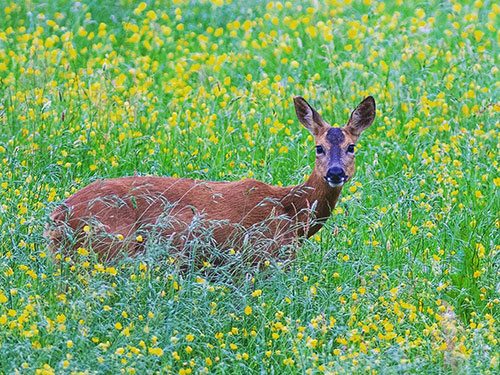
(334, 185)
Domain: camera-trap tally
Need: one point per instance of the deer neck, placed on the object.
(312, 203)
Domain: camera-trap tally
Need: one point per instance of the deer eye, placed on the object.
(320, 150)
(350, 149)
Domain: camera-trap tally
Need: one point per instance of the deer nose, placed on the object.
(336, 175)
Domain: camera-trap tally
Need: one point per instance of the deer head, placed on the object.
(335, 146)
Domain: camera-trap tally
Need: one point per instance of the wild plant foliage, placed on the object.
(402, 278)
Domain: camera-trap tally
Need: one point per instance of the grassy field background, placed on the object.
(405, 276)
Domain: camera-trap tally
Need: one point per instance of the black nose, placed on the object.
(335, 174)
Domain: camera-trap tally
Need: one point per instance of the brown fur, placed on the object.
(118, 210)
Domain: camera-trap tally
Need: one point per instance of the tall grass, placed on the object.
(403, 278)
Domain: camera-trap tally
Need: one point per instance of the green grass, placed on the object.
(404, 277)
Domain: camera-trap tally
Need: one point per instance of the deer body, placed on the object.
(122, 213)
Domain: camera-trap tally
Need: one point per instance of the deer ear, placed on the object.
(362, 117)
(308, 116)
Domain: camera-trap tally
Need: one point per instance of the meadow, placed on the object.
(403, 278)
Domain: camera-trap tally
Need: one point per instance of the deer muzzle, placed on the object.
(336, 177)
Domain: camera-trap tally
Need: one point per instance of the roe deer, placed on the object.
(119, 214)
